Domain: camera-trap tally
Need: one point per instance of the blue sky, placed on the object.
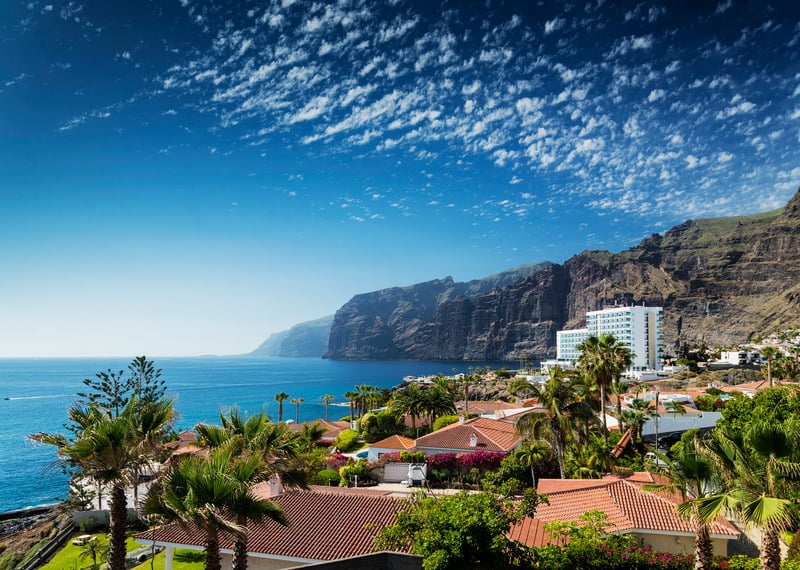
(186, 177)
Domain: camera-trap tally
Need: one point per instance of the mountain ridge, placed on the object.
(720, 280)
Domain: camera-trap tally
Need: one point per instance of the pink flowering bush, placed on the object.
(335, 461)
(481, 460)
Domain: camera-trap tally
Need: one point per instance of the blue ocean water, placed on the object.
(35, 394)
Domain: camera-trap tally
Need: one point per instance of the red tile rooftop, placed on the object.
(324, 524)
(492, 435)
(620, 497)
(395, 442)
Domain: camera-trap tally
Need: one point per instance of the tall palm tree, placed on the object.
(281, 397)
(213, 495)
(364, 394)
(326, 399)
(758, 472)
(352, 396)
(637, 414)
(619, 388)
(107, 449)
(410, 401)
(690, 475)
(246, 507)
(769, 352)
(603, 358)
(439, 400)
(297, 402)
(560, 414)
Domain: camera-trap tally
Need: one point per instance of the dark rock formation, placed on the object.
(720, 280)
(309, 339)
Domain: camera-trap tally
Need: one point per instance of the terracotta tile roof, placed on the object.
(492, 435)
(395, 442)
(627, 506)
(324, 524)
(332, 428)
(621, 444)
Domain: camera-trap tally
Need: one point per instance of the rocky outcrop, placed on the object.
(309, 339)
(720, 281)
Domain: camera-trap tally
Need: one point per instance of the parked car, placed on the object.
(651, 457)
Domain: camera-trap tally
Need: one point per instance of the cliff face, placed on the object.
(309, 339)
(719, 280)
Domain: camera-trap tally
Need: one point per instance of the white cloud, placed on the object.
(554, 25)
(312, 110)
(739, 109)
(656, 95)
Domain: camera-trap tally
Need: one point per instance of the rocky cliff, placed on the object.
(720, 280)
(309, 339)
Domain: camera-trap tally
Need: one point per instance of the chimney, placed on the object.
(275, 486)
(461, 420)
(473, 440)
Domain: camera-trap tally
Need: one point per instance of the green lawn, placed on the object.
(182, 560)
(68, 558)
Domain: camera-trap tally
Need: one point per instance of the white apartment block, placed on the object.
(637, 328)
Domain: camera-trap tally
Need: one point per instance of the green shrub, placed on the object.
(328, 477)
(742, 562)
(444, 421)
(9, 561)
(346, 441)
(89, 525)
(413, 456)
(375, 426)
(358, 469)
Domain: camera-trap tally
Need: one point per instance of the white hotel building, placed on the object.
(637, 328)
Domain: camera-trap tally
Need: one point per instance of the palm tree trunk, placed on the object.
(703, 548)
(603, 412)
(770, 549)
(239, 561)
(118, 520)
(213, 560)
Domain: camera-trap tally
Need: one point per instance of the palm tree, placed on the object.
(297, 402)
(310, 435)
(637, 414)
(769, 352)
(246, 507)
(589, 461)
(690, 475)
(758, 473)
(619, 388)
(603, 358)
(280, 397)
(561, 411)
(94, 548)
(364, 393)
(410, 401)
(534, 453)
(107, 449)
(326, 399)
(351, 396)
(213, 495)
(439, 400)
(519, 386)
